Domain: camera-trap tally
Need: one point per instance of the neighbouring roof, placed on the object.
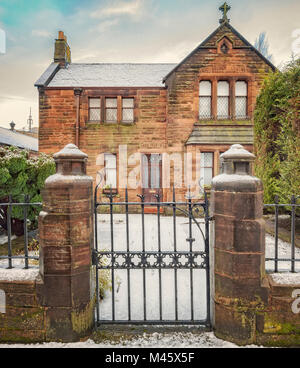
(10, 138)
(203, 134)
(106, 75)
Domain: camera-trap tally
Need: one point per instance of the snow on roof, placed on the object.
(111, 75)
(10, 138)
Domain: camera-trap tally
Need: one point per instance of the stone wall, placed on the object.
(25, 319)
(248, 306)
(57, 303)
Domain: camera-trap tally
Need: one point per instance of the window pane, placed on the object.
(207, 159)
(111, 102)
(204, 107)
(128, 102)
(111, 115)
(111, 170)
(207, 173)
(110, 161)
(95, 114)
(223, 88)
(205, 88)
(241, 89)
(94, 102)
(111, 177)
(155, 171)
(128, 115)
(223, 107)
(241, 107)
(145, 171)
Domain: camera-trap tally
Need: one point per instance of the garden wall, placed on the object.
(56, 301)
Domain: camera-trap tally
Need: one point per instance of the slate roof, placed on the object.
(204, 134)
(106, 75)
(10, 138)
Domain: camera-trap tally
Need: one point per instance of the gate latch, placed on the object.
(94, 257)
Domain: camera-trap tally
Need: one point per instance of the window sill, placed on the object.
(225, 122)
(110, 191)
(106, 123)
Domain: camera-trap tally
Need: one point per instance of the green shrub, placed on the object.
(20, 175)
(277, 141)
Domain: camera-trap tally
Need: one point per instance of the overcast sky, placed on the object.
(123, 31)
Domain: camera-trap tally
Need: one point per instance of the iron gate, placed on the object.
(130, 260)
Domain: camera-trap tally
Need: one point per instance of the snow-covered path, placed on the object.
(167, 243)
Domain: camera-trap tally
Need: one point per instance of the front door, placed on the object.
(152, 176)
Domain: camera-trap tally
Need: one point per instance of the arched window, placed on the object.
(223, 100)
(205, 100)
(241, 94)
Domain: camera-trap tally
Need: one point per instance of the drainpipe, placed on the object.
(77, 93)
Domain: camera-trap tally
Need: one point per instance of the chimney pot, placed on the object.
(61, 35)
(12, 126)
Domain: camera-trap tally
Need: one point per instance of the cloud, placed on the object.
(107, 24)
(119, 8)
(41, 33)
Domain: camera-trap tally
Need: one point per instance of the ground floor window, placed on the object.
(111, 170)
(206, 168)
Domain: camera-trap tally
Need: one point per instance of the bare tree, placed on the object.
(262, 45)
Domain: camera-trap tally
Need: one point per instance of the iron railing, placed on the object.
(293, 259)
(26, 206)
(158, 259)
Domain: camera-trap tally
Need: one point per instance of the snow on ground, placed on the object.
(286, 278)
(4, 239)
(155, 340)
(152, 281)
(152, 276)
(284, 252)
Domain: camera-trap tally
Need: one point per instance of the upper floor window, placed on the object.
(205, 100)
(223, 100)
(127, 110)
(94, 109)
(241, 95)
(111, 110)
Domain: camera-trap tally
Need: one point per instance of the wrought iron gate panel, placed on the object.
(160, 260)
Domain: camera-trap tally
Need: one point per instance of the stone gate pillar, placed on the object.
(66, 240)
(239, 247)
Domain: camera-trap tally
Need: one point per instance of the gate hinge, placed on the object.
(94, 257)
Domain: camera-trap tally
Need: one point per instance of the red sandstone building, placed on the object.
(161, 112)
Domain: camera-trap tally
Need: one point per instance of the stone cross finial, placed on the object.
(224, 9)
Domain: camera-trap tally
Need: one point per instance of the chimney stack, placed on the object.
(62, 52)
